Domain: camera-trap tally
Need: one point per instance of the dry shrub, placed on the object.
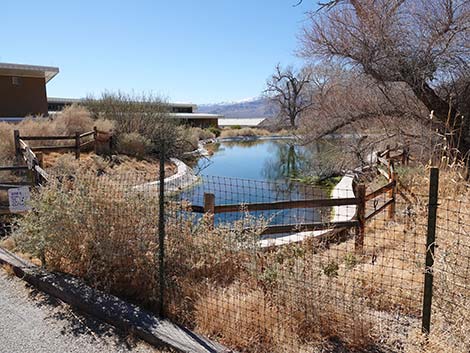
(104, 230)
(244, 132)
(95, 231)
(105, 125)
(241, 318)
(303, 297)
(72, 119)
(202, 134)
(7, 143)
(134, 144)
(8, 243)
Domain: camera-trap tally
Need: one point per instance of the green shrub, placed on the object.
(215, 130)
(235, 127)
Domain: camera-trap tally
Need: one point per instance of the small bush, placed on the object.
(74, 118)
(235, 127)
(206, 134)
(7, 144)
(144, 115)
(245, 132)
(134, 144)
(201, 134)
(215, 130)
(105, 125)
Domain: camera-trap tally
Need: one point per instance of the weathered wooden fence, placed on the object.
(30, 159)
(80, 141)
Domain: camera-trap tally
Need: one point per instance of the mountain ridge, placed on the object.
(248, 108)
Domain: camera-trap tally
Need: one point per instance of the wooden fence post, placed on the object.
(393, 195)
(361, 218)
(16, 134)
(77, 145)
(430, 245)
(209, 206)
(40, 157)
(95, 135)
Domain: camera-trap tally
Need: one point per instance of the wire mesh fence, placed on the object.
(302, 289)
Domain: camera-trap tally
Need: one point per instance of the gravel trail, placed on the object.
(32, 322)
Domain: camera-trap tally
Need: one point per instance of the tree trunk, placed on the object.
(450, 119)
(292, 121)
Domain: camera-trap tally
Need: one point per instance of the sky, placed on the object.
(199, 51)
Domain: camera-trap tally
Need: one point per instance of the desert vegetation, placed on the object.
(315, 295)
(244, 132)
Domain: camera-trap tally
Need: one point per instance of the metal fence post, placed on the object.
(361, 218)
(16, 134)
(161, 231)
(77, 145)
(393, 195)
(430, 246)
(95, 136)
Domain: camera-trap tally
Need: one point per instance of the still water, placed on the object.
(259, 171)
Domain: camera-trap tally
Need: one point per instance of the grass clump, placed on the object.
(244, 132)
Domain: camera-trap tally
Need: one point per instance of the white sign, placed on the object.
(19, 199)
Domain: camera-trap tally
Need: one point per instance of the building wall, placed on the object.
(203, 123)
(25, 97)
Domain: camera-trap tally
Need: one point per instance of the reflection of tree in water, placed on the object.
(291, 161)
(286, 163)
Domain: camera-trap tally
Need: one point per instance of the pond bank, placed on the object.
(344, 189)
(182, 179)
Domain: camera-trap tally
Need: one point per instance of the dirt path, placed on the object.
(31, 322)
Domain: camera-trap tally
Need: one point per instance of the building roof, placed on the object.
(47, 72)
(240, 121)
(194, 116)
(79, 100)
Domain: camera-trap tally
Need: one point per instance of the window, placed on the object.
(15, 81)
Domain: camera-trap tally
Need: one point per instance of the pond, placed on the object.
(260, 171)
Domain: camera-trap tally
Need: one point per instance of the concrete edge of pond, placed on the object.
(344, 189)
(183, 179)
(108, 308)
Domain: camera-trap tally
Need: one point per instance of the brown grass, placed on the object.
(246, 131)
(119, 166)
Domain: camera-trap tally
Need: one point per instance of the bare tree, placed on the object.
(287, 88)
(422, 44)
(347, 101)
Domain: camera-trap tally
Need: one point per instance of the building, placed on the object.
(186, 113)
(242, 122)
(23, 93)
(23, 90)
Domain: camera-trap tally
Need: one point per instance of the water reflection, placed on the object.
(259, 171)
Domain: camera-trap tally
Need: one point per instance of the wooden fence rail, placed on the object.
(360, 201)
(77, 145)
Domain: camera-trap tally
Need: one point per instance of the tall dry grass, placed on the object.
(244, 132)
(72, 119)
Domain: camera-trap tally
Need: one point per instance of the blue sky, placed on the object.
(198, 51)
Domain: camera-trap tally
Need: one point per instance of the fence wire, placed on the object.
(295, 291)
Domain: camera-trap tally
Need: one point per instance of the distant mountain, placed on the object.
(248, 108)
